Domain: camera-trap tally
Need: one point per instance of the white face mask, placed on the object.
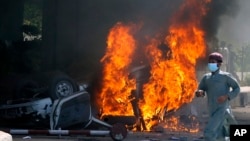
(212, 67)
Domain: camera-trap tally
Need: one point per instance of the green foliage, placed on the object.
(33, 14)
(247, 80)
(243, 58)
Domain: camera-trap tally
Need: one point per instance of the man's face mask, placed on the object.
(212, 67)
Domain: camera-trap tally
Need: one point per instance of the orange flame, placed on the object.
(116, 84)
(174, 124)
(172, 79)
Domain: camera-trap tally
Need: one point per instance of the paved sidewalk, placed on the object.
(242, 114)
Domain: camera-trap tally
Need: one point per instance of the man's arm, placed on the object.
(200, 92)
(232, 82)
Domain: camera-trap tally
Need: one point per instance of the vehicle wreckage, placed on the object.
(68, 106)
(64, 106)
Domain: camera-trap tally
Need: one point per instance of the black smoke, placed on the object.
(97, 17)
(218, 8)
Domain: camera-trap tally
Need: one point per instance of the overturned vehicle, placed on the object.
(29, 98)
(59, 106)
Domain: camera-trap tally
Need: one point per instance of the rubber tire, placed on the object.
(118, 132)
(61, 85)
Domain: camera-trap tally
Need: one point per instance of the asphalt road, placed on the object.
(242, 114)
(135, 136)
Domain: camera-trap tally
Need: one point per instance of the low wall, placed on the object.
(243, 98)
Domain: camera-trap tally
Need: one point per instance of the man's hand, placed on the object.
(222, 98)
(200, 93)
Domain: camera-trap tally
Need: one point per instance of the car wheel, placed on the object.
(61, 86)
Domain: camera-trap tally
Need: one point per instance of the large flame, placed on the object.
(172, 80)
(116, 84)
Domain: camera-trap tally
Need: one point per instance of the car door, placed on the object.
(71, 111)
